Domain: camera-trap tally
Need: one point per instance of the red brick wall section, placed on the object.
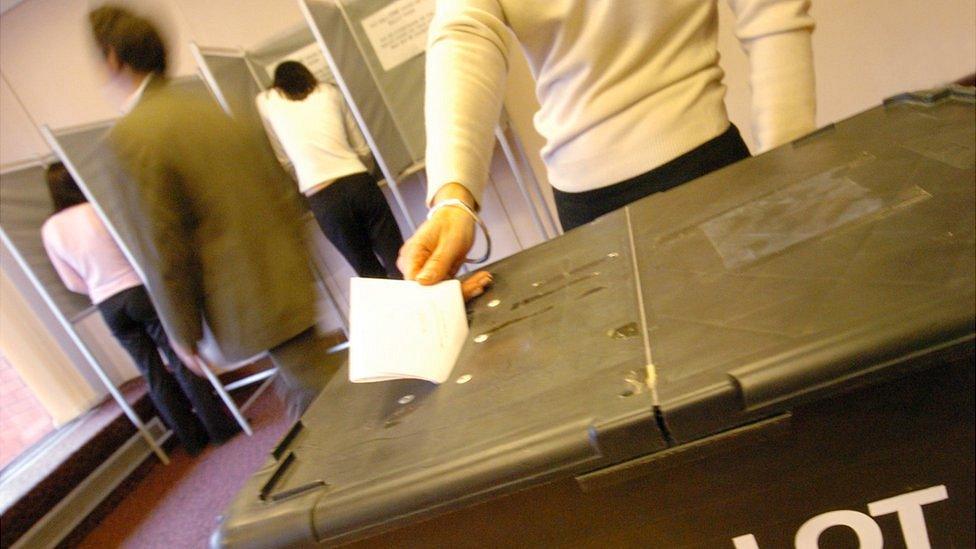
(23, 421)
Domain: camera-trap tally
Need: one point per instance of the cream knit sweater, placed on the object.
(624, 85)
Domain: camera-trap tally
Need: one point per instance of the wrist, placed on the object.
(456, 191)
(438, 210)
(450, 213)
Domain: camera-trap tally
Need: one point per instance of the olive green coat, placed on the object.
(218, 225)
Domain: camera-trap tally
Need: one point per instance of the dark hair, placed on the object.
(294, 80)
(64, 191)
(135, 41)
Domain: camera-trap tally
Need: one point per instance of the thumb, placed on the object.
(438, 265)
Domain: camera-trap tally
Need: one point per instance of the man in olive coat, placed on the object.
(216, 222)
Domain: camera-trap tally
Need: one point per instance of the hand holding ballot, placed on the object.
(437, 250)
(403, 330)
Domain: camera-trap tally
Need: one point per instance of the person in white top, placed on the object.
(311, 123)
(89, 261)
(631, 95)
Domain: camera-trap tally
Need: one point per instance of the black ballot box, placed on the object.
(779, 354)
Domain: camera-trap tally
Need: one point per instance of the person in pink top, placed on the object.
(90, 262)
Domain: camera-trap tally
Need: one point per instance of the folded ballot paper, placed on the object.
(401, 330)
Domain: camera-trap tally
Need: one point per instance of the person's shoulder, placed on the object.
(166, 113)
(171, 101)
(60, 222)
(49, 229)
(328, 88)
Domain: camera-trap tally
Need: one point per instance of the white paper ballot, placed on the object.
(402, 330)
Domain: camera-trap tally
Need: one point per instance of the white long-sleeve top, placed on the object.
(317, 133)
(85, 255)
(624, 85)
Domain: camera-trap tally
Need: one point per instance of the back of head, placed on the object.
(135, 41)
(294, 80)
(64, 191)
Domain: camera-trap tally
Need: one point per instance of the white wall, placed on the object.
(864, 50)
(49, 63)
(19, 138)
(39, 359)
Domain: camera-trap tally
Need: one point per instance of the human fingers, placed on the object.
(475, 285)
(454, 234)
(413, 254)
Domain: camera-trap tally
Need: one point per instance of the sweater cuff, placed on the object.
(435, 184)
(783, 88)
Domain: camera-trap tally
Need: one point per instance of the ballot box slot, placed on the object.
(286, 441)
(546, 293)
(266, 492)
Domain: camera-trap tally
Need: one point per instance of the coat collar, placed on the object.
(149, 85)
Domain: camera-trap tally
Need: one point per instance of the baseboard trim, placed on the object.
(84, 498)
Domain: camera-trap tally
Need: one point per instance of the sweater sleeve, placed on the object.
(467, 65)
(279, 151)
(775, 34)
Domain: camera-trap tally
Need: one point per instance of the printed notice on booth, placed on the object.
(398, 32)
(310, 56)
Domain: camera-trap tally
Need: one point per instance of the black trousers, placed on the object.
(577, 209)
(356, 219)
(176, 392)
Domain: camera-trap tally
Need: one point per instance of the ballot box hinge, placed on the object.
(645, 333)
(662, 425)
(753, 434)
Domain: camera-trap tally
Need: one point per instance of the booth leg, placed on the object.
(225, 396)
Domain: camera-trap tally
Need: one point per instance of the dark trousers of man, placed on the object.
(577, 209)
(306, 366)
(176, 394)
(355, 217)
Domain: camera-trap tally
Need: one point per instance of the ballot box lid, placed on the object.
(846, 255)
(551, 382)
(839, 259)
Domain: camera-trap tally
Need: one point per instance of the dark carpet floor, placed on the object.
(176, 506)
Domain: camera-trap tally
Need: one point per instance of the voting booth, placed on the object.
(375, 49)
(77, 326)
(236, 76)
(87, 155)
(777, 354)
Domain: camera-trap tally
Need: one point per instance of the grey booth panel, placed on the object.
(238, 87)
(88, 153)
(782, 295)
(390, 102)
(25, 204)
(268, 54)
